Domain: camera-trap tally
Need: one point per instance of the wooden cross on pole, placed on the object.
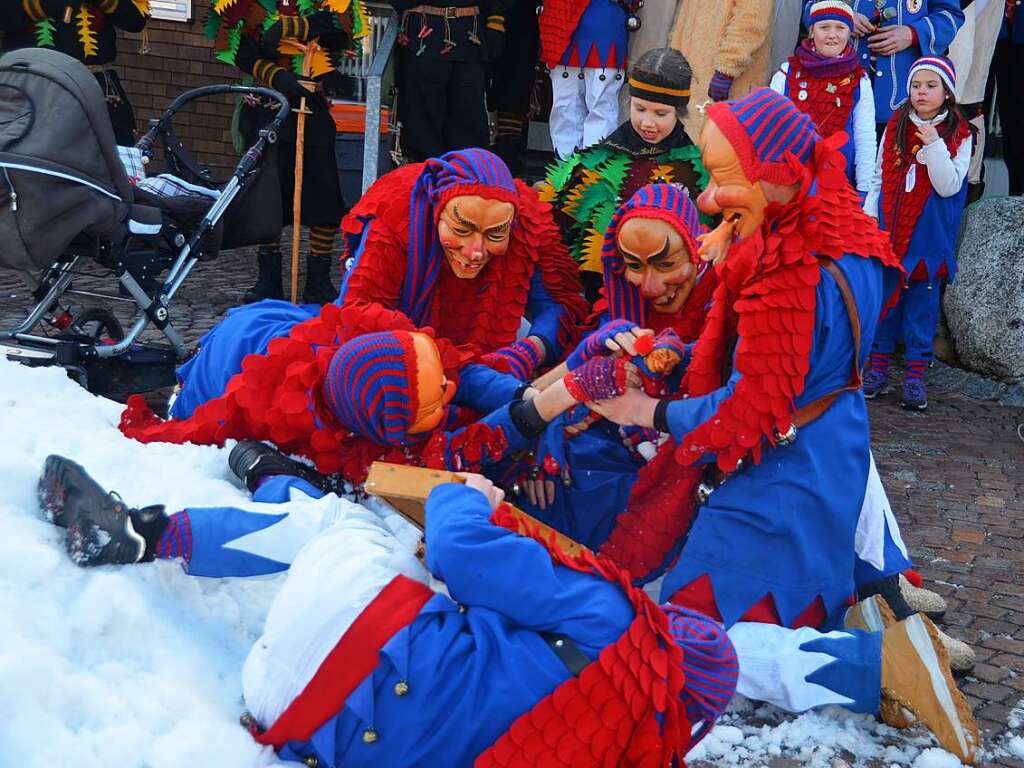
(308, 51)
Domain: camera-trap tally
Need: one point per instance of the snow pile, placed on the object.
(135, 666)
(1011, 743)
(141, 665)
(751, 734)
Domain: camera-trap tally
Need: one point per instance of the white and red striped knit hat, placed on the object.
(940, 65)
(829, 10)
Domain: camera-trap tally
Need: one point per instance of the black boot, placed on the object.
(268, 282)
(318, 288)
(101, 529)
(889, 590)
(251, 461)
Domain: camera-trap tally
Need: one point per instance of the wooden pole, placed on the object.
(300, 142)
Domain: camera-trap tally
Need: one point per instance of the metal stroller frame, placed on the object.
(102, 367)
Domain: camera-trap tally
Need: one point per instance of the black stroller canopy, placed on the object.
(52, 109)
(60, 173)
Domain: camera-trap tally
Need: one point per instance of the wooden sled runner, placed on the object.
(407, 488)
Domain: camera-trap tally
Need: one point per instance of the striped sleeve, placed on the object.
(265, 71)
(936, 30)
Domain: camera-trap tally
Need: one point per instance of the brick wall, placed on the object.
(181, 57)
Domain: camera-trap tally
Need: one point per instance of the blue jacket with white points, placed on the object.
(935, 23)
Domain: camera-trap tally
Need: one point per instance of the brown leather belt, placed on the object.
(448, 12)
(816, 408)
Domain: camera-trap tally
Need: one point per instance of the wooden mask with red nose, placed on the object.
(473, 230)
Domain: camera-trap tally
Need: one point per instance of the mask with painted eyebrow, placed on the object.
(472, 230)
(647, 243)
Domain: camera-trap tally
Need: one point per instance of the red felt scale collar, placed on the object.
(483, 313)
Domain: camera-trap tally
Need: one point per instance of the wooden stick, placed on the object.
(407, 489)
(300, 143)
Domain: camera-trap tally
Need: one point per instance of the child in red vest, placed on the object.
(918, 195)
(824, 78)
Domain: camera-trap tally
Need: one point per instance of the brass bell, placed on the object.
(310, 761)
(633, 23)
(401, 688)
(369, 736)
(704, 491)
(787, 437)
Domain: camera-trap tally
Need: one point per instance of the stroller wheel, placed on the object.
(100, 325)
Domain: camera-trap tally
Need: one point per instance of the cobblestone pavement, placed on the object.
(953, 475)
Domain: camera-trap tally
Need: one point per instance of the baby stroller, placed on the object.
(69, 208)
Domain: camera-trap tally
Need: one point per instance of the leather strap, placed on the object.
(448, 12)
(566, 650)
(816, 408)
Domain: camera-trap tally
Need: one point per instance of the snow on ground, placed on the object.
(141, 665)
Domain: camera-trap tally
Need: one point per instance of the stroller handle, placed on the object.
(145, 144)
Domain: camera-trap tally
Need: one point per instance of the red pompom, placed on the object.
(644, 345)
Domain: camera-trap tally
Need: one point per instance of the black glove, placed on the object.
(332, 83)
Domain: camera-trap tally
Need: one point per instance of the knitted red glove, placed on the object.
(520, 358)
(598, 379)
(718, 89)
(593, 345)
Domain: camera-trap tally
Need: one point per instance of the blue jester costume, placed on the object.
(597, 505)
(775, 541)
(420, 678)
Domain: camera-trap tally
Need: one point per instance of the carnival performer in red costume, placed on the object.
(655, 297)
(781, 446)
(454, 244)
(584, 44)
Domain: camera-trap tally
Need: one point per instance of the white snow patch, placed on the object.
(936, 758)
(134, 666)
(1015, 746)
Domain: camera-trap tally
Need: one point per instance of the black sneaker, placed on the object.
(251, 461)
(889, 590)
(102, 530)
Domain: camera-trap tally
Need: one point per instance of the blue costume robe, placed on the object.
(786, 526)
